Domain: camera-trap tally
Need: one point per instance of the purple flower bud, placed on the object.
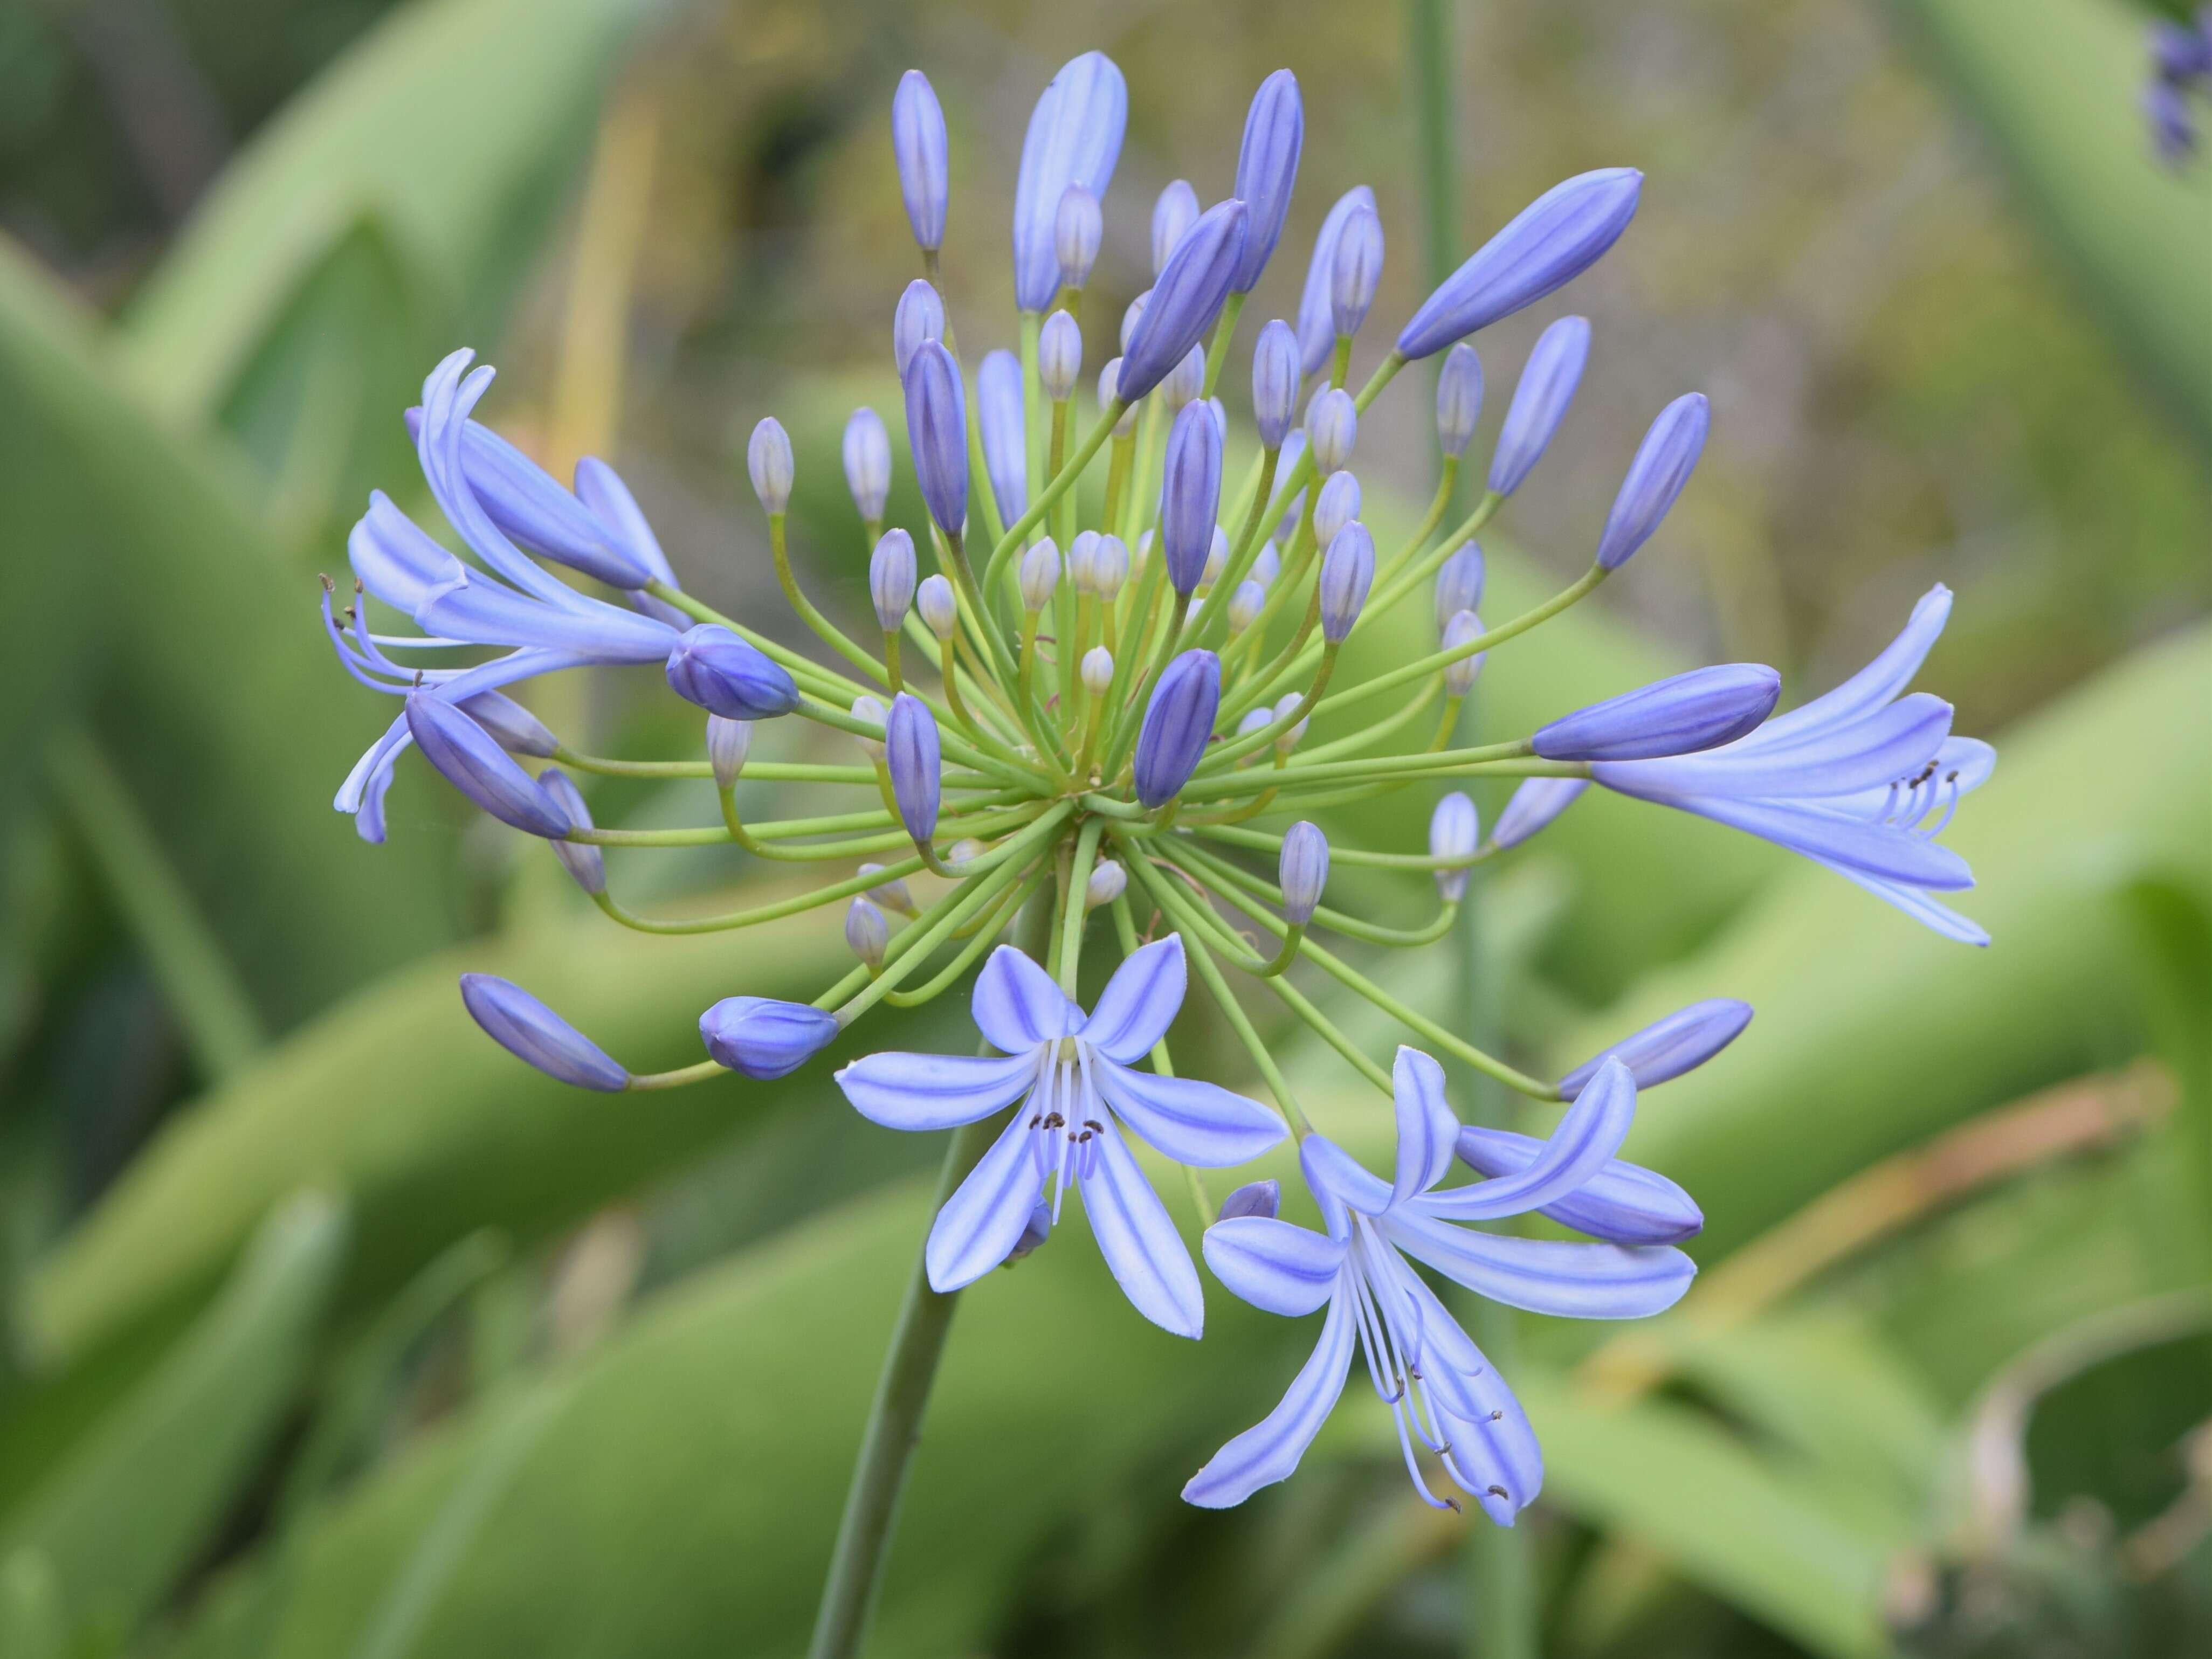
(513, 727)
(1357, 271)
(1550, 243)
(537, 1036)
(917, 773)
(1190, 495)
(1173, 215)
(1263, 1198)
(1108, 881)
(1275, 376)
(1035, 1231)
(1539, 402)
(1662, 466)
(868, 464)
(1332, 429)
(1678, 715)
(1316, 307)
(1245, 606)
(1337, 505)
(920, 316)
(1178, 723)
(768, 459)
(867, 932)
(939, 607)
(924, 160)
(1462, 627)
(728, 743)
(1185, 380)
(1303, 872)
(999, 412)
(1112, 565)
(892, 894)
(471, 760)
(937, 433)
(891, 575)
(1536, 803)
(1077, 230)
(1186, 299)
(581, 858)
(1074, 138)
(1348, 571)
(1039, 575)
(726, 676)
(2178, 54)
(1682, 1043)
(1454, 832)
(1060, 357)
(1109, 379)
(1459, 583)
(763, 1038)
(1459, 399)
(1267, 168)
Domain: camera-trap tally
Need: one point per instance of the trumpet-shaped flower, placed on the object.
(1074, 1077)
(1441, 1390)
(1862, 779)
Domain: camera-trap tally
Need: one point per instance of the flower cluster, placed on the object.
(2180, 64)
(1065, 721)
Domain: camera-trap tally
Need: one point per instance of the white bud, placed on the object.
(1332, 429)
(1110, 571)
(1077, 230)
(728, 743)
(892, 894)
(1082, 562)
(1097, 670)
(768, 457)
(1217, 558)
(1459, 676)
(1131, 317)
(1108, 881)
(868, 931)
(870, 709)
(890, 577)
(1245, 604)
(868, 464)
(1039, 574)
(1185, 380)
(966, 850)
(1060, 357)
(1267, 565)
(939, 609)
(1286, 706)
(1109, 378)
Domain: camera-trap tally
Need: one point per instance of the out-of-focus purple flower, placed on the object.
(1678, 715)
(891, 577)
(535, 1035)
(1534, 804)
(763, 1038)
(582, 860)
(514, 728)
(2180, 53)
(1266, 170)
(1060, 357)
(1178, 724)
(1074, 138)
(936, 433)
(1186, 380)
(1186, 299)
(1302, 870)
(1662, 466)
(1173, 215)
(938, 606)
(1460, 583)
(911, 750)
(1348, 571)
(1076, 1076)
(471, 759)
(730, 677)
(867, 454)
(1440, 1388)
(1539, 402)
(1337, 505)
(1459, 399)
(920, 316)
(2173, 124)
(1462, 627)
(1005, 438)
(1316, 305)
(1332, 429)
(1549, 243)
(924, 159)
(1275, 375)
(1454, 832)
(1358, 271)
(1862, 779)
(1190, 495)
(1667, 1047)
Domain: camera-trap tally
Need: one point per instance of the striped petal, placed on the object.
(1573, 1281)
(1273, 1265)
(1583, 1144)
(934, 1091)
(1140, 1244)
(1270, 1449)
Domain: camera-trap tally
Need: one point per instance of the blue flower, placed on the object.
(509, 601)
(1440, 1389)
(1073, 1077)
(1074, 138)
(1862, 779)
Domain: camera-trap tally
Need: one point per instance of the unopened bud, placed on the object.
(1183, 383)
(1097, 670)
(1060, 357)
(1459, 676)
(1332, 429)
(868, 931)
(1460, 584)
(1083, 562)
(1348, 571)
(1245, 604)
(892, 894)
(768, 459)
(1173, 215)
(868, 464)
(891, 578)
(1216, 559)
(728, 743)
(1454, 832)
(1459, 399)
(1112, 567)
(940, 608)
(581, 858)
(1303, 872)
(920, 316)
(1109, 378)
(1337, 505)
(1039, 574)
(1108, 881)
(872, 710)
(1077, 230)
(1290, 737)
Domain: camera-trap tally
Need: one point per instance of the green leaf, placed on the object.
(131, 1507)
(2054, 84)
(33, 1624)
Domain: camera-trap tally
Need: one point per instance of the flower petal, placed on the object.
(1917, 905)
(934, 1091)
(1148, 1257)
(1140, 1002)
(1623, 1203)
(1016, 1006)
(1337, 1183)
(1190, 1121)
(1574, 1281)
(1492, 1444)
(1873, 685)
(1273, 1265)
(1840, 759)
(1427, 1130)
(1819, 832)
(1583, 1144)
(983, 1221)
(1270, 1449)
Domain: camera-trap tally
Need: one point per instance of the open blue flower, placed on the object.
(1862, 779)
(1073, 1076)
(1439, 1388)
(510, 601)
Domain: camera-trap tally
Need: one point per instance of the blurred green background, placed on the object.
(330, 1330)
